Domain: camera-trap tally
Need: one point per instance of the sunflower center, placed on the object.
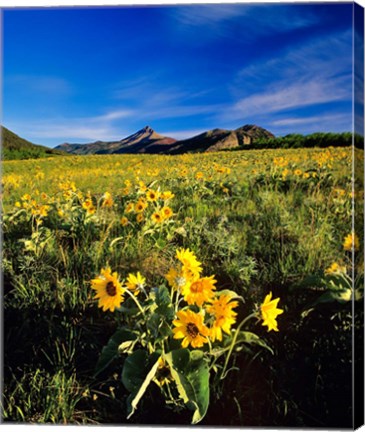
(111, 289)
(196, 287)
(192, 330)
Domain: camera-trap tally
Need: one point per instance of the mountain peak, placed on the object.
(147, 129)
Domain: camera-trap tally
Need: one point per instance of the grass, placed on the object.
(260, 221)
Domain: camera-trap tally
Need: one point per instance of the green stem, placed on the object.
(177, 299)
(134, 298)
(253, 315)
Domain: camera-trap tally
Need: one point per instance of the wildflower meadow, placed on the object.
(214, 288)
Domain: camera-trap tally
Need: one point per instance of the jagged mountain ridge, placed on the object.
(138, 142)
(147, 140)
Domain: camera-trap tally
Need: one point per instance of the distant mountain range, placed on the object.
(148, 141)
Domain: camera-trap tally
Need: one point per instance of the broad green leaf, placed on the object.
(163, 302)
(232, 294)
(160, 243)
(252, 339)
(191, 374)
(310, 281)
(341, 295)
(111, 349)
(134, 368)
(128, 307)
(158, 327)
(136, 375)
(142, 389)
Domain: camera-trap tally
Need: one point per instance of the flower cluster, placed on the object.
(150, 205)
(211, 312)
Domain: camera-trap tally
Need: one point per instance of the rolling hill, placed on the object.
(15, 147)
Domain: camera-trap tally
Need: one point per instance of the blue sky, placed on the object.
(86, 74)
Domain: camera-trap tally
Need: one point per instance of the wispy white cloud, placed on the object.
(285, 96)
(153, 100)
(312, 120)
(258, 19)
(66, 131)
(199, 15)
(311, 75)
(101, 127)
(317, 57)
(113, 115)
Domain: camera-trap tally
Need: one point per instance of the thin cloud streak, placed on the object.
(292, 96)
(259, 19)
(339, 122)
(291, 121)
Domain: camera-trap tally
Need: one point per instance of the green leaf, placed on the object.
(142, 389)
(158, 327)
(138, 370)
(340, 295)
(134, 369)
(310, 281)
(163, 302)
(252, 339)
(128, 307)
(161, 243)
(191, 374)
(111, 349)
(231, 294)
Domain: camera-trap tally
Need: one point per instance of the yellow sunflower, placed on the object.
(189, 261)
(152, 195)
(88, 206)
(140, 206)
(124, 221)
(156, 217)
(269, 312)
(298, 172)
(167, 195)
(166, 212)
(177, 279)
(139, 217)
(129, 207)
(191, 329)
(108, 290)
(221, 309)
(199, 291)
(351, 241)
(136, 282)
(335, 268)
(107, 200)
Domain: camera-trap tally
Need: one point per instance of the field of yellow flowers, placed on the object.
(213, 288)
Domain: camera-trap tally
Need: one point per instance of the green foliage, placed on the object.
(122, 341)
(16, 148)
(295, 141)
(319, 139)
(191, 373)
